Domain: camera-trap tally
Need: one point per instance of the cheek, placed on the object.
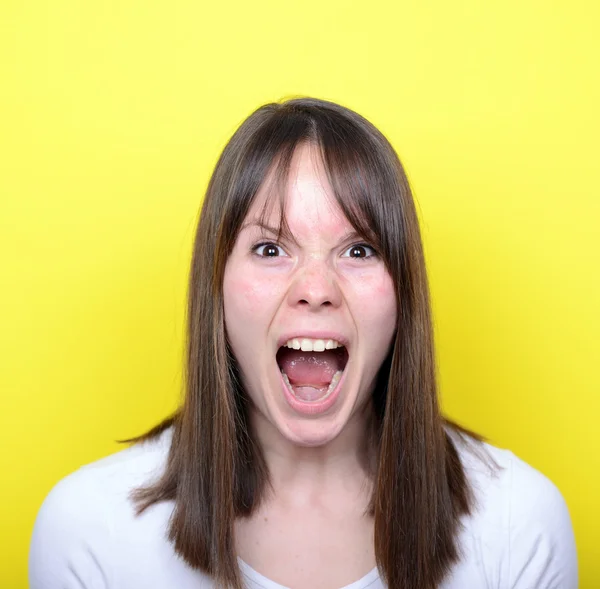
(245, 296)
(241, 305)
(249, 298)
(241, 293)
(376, 296)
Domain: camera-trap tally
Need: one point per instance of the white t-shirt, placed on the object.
(86, 535)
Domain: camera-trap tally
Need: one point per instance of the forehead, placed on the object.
(304, 197)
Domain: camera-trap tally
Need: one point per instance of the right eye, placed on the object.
(268, 250)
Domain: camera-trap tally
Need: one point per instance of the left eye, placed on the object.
(269, 250)
(359, 251)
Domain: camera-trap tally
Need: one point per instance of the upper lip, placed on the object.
(313, 334)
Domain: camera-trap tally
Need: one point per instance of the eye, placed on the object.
(361, 250)
(268, 250)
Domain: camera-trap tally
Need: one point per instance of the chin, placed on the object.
(310, 435)
(315, 431)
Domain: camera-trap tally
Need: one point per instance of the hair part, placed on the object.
(215, 470)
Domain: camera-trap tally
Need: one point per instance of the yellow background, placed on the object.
(112, 115)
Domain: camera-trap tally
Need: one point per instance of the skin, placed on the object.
(319, 487)
(318, 284)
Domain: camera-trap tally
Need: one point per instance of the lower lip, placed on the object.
(317, 407)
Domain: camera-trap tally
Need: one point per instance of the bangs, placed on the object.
(361, 166)
(349, 185)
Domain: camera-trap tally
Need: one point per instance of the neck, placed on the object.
(346, 461)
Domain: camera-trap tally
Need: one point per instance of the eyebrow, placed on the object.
(276, 232)
(351, 235)
(262, 225)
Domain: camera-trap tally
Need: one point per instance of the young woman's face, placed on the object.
(325, 291)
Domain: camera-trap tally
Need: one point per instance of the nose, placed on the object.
(315, 286)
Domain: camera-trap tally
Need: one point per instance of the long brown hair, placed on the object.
(215, 470)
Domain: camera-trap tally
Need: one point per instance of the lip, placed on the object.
(308, 334)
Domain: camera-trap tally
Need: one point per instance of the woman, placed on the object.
(310, 450)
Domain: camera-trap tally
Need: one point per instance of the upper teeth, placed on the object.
(313, 345)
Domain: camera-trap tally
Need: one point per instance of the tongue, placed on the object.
(309, 373)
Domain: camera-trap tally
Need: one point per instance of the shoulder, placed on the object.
(76, 525)
(520, 517)
(105, 484)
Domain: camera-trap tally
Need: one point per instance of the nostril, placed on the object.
(305, 302)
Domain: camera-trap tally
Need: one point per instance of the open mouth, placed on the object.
(311, 368)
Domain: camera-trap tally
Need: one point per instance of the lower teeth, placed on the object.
(330, 388)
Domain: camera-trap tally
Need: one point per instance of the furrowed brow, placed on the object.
(275, 231)
(351, 236)
(262, 226)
